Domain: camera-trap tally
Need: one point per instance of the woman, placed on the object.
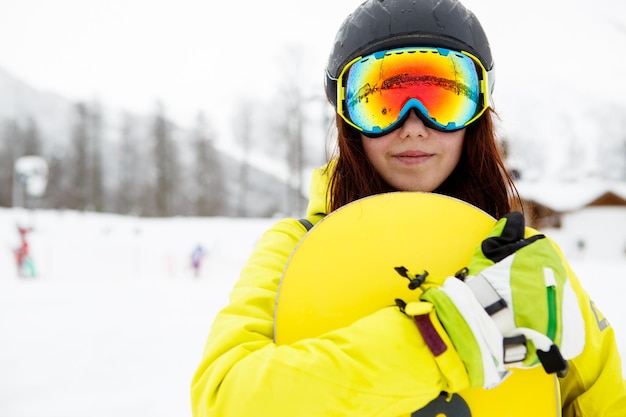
(398, 144)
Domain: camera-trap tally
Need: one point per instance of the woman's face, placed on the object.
(415, 157)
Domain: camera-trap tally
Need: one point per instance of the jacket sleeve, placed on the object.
(377, 366)
(594, 385)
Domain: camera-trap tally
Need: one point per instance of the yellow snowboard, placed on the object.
(343, 269)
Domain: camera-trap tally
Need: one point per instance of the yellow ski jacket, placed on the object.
(378, 366)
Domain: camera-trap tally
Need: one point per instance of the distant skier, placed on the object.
(25, 264)
(197, 257)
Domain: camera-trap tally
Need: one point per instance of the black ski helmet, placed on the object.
(384, 24)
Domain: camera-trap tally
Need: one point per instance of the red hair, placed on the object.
(480, 178)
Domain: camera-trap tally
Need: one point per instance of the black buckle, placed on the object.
(515, 349)
(553, 362)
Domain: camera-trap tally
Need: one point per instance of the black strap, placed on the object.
(497, 248)
(307, 224)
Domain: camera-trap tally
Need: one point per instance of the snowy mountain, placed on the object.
(266, 193)
(19, 101)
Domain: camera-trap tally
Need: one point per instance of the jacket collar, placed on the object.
(318, 190)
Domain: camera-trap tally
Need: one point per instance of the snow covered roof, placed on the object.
(569, 196)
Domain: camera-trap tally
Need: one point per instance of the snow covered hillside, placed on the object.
(115, 322)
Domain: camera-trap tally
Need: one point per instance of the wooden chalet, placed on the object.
(545, 203)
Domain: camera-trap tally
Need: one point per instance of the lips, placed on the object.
(412, 156)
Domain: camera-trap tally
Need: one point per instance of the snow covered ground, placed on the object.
(115, 322)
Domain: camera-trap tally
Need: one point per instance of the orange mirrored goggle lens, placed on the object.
(446, 87)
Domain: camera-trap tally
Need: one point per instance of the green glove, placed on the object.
(466, 326)
(534, 305)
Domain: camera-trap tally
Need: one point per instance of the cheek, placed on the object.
(373, 148)
(458, 151)
(455, 146)
(453, 152)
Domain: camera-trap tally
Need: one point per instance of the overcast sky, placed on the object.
(206, 54)
(192, 54)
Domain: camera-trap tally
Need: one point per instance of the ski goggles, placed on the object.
(449, 89)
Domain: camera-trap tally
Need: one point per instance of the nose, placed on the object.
(413, 126)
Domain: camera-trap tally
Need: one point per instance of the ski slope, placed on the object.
(114, 323)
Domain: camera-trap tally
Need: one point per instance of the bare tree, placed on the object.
(243, 132)
(292, 127)
(32, 139)
(128, 187)
(78, 193)
(10, 149)
(166, 164)
(15, 142)
(207, 173)
(58, 189)
(96, 187)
